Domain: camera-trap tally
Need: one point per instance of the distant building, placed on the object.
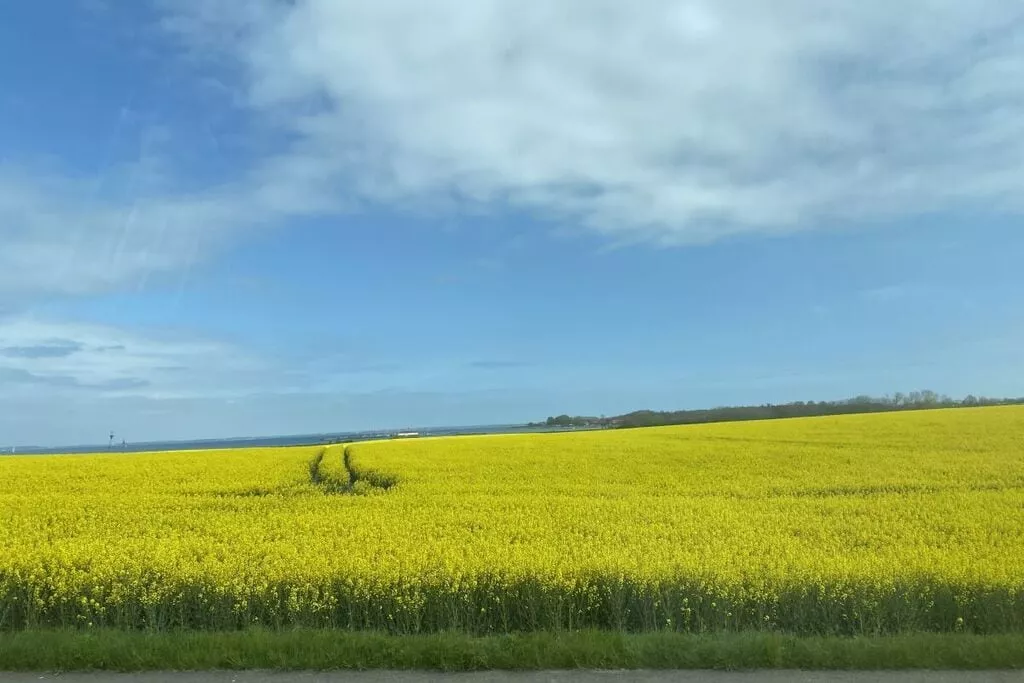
(406, 435)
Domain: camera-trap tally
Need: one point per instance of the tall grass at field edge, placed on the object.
(492, 604)
(329, 649)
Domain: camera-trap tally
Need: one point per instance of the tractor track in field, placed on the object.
(315, 476)
(348, 482)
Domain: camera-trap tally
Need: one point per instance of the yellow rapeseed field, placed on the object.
(858, 524)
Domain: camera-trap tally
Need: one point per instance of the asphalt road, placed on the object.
(528, 677)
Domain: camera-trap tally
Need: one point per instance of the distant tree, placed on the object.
(859, 404)
(566, 421)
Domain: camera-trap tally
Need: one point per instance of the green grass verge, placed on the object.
(325, 649)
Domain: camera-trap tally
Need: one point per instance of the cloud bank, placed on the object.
(44, 357)
(666, 122)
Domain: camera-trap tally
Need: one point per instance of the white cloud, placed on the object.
(59, 237)
(47, 358)
(678, 121)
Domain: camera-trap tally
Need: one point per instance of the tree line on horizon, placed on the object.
(914, 400)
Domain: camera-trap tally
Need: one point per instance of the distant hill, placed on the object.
(914, 400)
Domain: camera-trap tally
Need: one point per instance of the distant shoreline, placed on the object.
(915, 400)
(280, 441)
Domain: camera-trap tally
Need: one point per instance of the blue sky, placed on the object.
(222, 218)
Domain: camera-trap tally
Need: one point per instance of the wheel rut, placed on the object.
(325, 474)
